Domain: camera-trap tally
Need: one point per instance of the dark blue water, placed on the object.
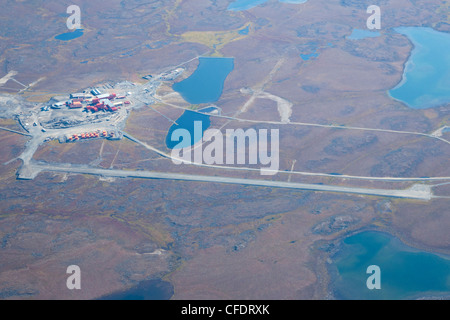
(145, 290)
(205, 85)
(406, 273)
(359, 34)
(426, 79)
(187, 122)
(70, 35)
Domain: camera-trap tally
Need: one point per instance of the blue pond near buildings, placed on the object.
(187, 122)
(426, 78)
(406, 273)
(70, 35)
(205, 85)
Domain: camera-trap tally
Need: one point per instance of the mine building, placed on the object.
(78, 96)
(96, 92)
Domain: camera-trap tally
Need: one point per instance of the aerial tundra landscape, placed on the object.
(225, 150)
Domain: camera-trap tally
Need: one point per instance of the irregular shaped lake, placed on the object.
(205, 85)
(426, 79)
(187, 122)
(406, 273)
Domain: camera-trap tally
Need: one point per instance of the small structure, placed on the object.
(96, 92)
(103, 134)
(103, 96)
(76, 105)
(58, 105)
(78, 96)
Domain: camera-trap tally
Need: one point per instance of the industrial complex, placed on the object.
(93, 103)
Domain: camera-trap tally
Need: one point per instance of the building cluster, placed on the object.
(94, 102)
(90, 135)
(171, 75)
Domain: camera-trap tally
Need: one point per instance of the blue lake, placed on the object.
(205, 85)
(70, 35)
(406, 273)
(187, 122)
(241, 5)
(426, 78)
(359, 34)
(145, 290)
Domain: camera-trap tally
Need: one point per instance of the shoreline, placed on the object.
(404, 244)
(410, 64)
